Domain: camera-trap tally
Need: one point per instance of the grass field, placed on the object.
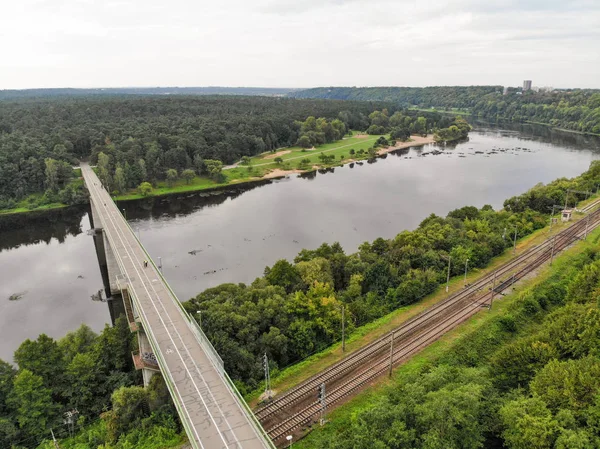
(292, 157)
(263, 164)
(260, 166)
(339, 418)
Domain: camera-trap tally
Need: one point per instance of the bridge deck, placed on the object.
(212, 414)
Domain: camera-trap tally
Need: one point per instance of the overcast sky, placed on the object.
(298, 43)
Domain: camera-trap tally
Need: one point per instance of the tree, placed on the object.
(214, 169)
(82, 381)
(278, 160)
(142, 170)
(304, 142)
(119, 179)
(285, 275)
(171, 177)
(7, 374)
(571, 384)
(315, 270)
(145, 188)
(451, 417)
(421, 126)
(32, 402)
(188, 175)
(51, 174)
(43, 358)
(129, 405)
(104, 170)
(245, 160)
(528, 424)
(8, 433)
(80, 341)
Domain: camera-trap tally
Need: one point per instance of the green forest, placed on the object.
(294, 310)
(138, 141)
(147, 135)
(83, 381)
(572, 109)
(529, 377)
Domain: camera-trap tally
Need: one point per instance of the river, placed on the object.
(207, 239)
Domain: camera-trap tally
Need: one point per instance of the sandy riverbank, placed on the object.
(415, 141)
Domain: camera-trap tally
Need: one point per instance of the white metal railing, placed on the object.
(205, 343)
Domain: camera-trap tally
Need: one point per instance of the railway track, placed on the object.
(297, 407)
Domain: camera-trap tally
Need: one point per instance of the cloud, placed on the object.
(302, 43)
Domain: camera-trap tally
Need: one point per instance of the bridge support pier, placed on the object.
(144, 358)
(105, 253)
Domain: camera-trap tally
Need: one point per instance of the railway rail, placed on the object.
(298, 407)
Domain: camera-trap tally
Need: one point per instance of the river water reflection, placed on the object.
(207, 239)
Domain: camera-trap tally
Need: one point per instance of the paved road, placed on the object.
(213, 415)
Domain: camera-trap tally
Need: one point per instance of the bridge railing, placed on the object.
(209, 349)
(169, 381)
(248, 411)
(205, 343)
(212, 353)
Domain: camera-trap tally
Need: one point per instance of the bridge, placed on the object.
(211, 409)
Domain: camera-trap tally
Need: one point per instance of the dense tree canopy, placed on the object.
(575, 109)
(138, 138)
(529, 378)
(80, 372)
(134, 140)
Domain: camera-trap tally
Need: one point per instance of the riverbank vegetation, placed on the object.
(153, 145)
(147, 136)
(523, 376)
(83, 386)
(570, 109)
(295, 309)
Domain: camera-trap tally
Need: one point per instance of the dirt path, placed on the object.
(279, 172)
(279, 153)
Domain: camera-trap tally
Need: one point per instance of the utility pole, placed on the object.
(70, 417)
(160, 264)
(552, 251)
(267, 376)
(200, 318)
(552, 217)
(448, 277)
(566, 198)
(493, 288)
(515, 242)
(321, 397)
(391, 352)
(56, 446)
(466, 268)
(587, 222)
(343, 329)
